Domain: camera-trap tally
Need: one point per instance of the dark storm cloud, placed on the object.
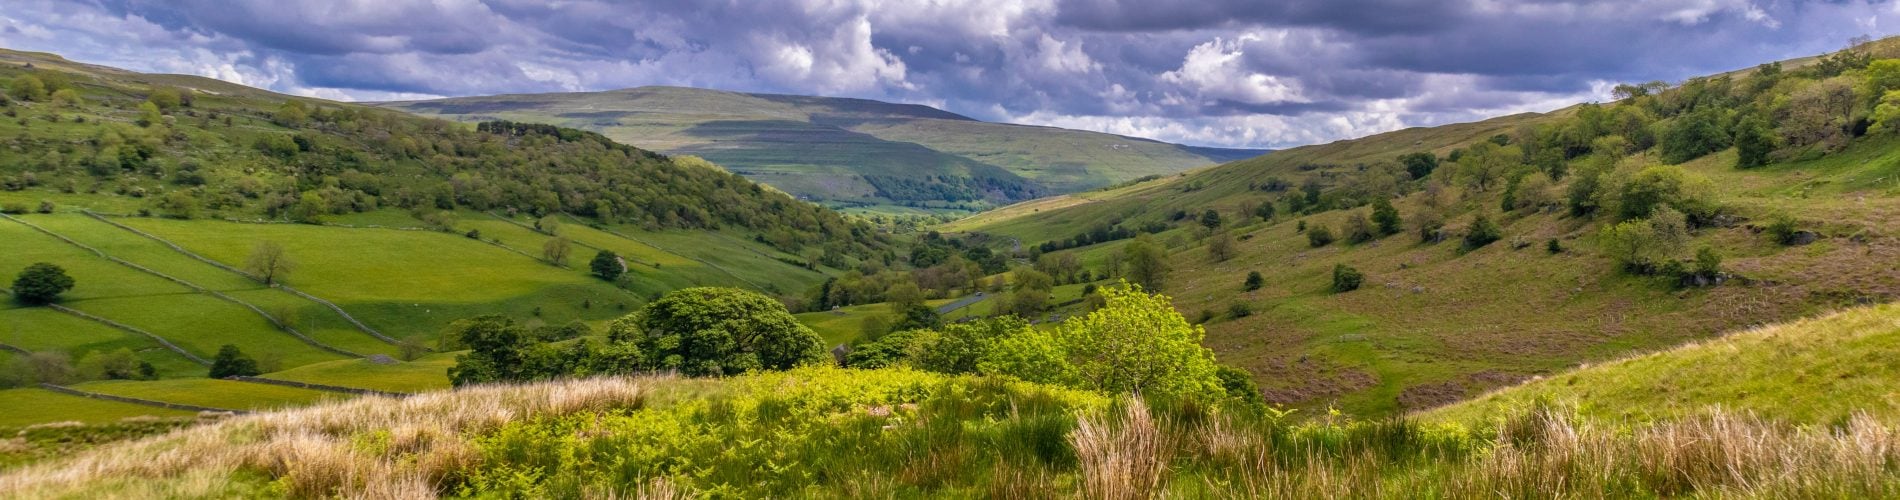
(1212, 72)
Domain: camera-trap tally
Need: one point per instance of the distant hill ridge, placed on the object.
(848, 151)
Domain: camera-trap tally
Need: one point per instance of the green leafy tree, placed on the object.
(1692, 135)
(607, 265)
(1220, 246)
(1419, 164)
(232, 362)
(495, 346)
(1318, 235)
(959, 347)
(1679, 189)
(1387, 217)
(710, 331)
(1210, 219)
(149, 115)
(1146, 262)
(27, 88)
(1346, 279)
(1482, 232)
(1135, 343)
(1641, 246)
(1753, 142)
(556, 250)
(41, 283)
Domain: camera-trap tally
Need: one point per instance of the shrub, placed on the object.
(1482, 232)
(1254, 281)
(1664, 185)
(41, 283)
(1239, 310)
(1346, 279)
(1319, 236)
(1554, 247)
(1784, 230)
(1642, 245)
(1135, 343)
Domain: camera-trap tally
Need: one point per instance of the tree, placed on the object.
(904, 295)
(149, 115)
(41, 283)
(1210, 219)
(1640, 194)
(709, 331)
(1031, 293)
(556, 249)
(1220, 246)
(1386, 217)
(1254, 281)
(232, 362)
(1642, 246)
(121, 364)
(550, 225)
(1346, 279)
(27, 88)
(607, 265)
(1135, 343)
(1146, 262)
(269, 262)
(495, 350)
(1482, 232)
(165, 98)
(1753, 142)
(1692, 135)
(1319, 235)
(958, 348)
(1419, 164)
(1358, 229)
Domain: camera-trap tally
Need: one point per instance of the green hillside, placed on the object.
(848, 152)
(155, 193)
(1801, 227)
(1817, 371)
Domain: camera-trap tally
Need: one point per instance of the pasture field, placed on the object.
(225, 394)
(427, 373)
(38, 406)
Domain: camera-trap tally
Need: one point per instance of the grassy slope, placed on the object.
(1817, 371)
(424, 374)
(38, 406)
(1434, 325)
(768, 137)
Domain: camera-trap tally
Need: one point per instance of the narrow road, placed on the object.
(966, 301)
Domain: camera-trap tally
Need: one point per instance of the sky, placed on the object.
(1229, 73)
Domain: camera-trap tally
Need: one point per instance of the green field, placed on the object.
(38, 406)
(223, 394)
(424, 374)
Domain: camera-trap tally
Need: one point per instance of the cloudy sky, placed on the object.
(1239, 73)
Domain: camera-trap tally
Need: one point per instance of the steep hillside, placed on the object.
(159, 194)
(847, 151)
(1816, 371)
(1445, 311)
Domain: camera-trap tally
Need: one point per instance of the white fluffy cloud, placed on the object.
(1239, 73)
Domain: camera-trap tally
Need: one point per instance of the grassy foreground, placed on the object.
(900, 433)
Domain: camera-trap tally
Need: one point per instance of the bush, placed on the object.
(1254, 281)
(41, 283)
(1319, 236)
(1784, 230)
(1640, 246)
(1482, 232)
(1664, 185)
(1554, 247)
(1135, 343)
(1386, 217)
(1239, 310)
(1346, 279)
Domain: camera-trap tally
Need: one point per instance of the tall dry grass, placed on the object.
(371, 447)
(1122, 458)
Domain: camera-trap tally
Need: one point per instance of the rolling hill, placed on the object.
(1437, 319)
(847, 152)
(396, 226)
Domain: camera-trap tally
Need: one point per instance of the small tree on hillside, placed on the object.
(1146, 262)
(268, 262)
(1210, 219)
(555, 250)
(607, 265)
(1220, 246)
(232, 362)
(1386, 217)
(1346, 279)
(1482, 232)
(1318, 235)
(41, 283)
(1254, 281)
(718, 331)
